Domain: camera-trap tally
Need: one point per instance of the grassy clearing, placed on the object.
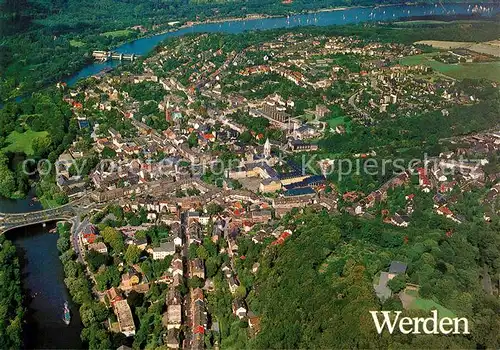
(479, 70)
(118, 33)
(428, 305)
(22, 142)
(76, 43)
(48, 204)
(333, 122)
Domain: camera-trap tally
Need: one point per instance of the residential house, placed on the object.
(239, 308)
(140, 243)
(89, 235)
(198, 268)
(99, 247)
(381, 289)
(113, 295)
(125, 318)
(129, 280)
(233, 283)
(176, 267)
(401, 220)
(174, 309)
(254, 324)
(165, 249)
(261, 216)
(423, 180)
(194, 232)
(172, 338)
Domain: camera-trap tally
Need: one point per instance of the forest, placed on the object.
(37, 127)
(11, 308)
(316, 289)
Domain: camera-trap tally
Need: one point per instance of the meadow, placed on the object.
(23, 142)
(475, 70)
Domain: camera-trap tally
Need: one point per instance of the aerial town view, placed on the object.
(249, 174)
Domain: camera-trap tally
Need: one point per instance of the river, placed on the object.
(338, 17)
(43, 284)
(42, 270)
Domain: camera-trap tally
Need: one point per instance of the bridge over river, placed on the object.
(104, 56)
(10, 221)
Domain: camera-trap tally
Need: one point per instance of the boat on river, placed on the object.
(67, 314)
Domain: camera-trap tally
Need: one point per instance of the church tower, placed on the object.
(267, 149)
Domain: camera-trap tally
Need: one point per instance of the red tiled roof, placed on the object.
(199, 330)
(281, 239)
(445, 210)
(89, 237)
(422, 174)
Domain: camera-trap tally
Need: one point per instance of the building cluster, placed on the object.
(162, 134)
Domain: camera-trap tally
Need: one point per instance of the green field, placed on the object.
(428, 305)
(48, 204)
(22, 142)
(333, 122)
(76, 43)
(118, 33)
(484, 70)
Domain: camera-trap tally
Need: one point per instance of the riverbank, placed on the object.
(44, 291)
(13, 311)
(41, 282)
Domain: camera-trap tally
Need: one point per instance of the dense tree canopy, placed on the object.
(11, 309)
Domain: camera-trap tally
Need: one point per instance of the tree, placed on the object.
(7, 181)
(246, 137)
(202, 253)
(195, 282)
(114, 238)
(214, 209)
(108, 153)
(61, 198)
(11, 297)
(212, 267)
(41, 145)
(107, 278)
(240, 292)
(193, 251)
(95, 259)
(97, 337)
(67, 256)
(132, 254)
(63, 244)
(72, 269)
(192, 140)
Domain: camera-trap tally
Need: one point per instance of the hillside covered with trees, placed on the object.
(316, 290)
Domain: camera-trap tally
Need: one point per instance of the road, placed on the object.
(188, 317)
(353, 104)
(75, 236)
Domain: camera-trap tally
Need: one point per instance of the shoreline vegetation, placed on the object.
(11, 297)
(92, 312)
